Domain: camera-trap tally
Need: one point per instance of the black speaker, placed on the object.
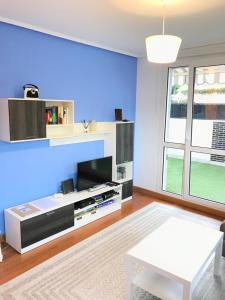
(118, 114)
(67, 186)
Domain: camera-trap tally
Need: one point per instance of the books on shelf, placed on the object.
(103, 204)
(55, 115)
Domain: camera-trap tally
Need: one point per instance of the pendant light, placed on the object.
(162, 48)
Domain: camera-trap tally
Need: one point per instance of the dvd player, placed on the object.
(84, 203)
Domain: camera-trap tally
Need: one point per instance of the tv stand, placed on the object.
(32, 224)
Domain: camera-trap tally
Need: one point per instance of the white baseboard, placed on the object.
(126, 199)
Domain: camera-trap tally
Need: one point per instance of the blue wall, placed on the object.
(97, 79)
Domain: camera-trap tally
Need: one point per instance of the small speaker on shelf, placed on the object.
(67, 186)
(118, 114)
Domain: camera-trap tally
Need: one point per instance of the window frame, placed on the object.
(192, 63)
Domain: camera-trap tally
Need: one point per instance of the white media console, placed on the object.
(32, 224)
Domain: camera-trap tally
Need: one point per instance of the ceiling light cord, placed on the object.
(164, 16)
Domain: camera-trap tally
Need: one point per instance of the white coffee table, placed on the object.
(170, 261)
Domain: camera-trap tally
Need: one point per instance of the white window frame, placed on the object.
(191, 63)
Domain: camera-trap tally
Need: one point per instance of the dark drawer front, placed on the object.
(43, 226)
(127, 189)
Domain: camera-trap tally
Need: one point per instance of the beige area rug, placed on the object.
(95, 269)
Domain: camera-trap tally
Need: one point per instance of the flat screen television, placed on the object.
(94, 172)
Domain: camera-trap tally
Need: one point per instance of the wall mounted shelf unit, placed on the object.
(25, 119)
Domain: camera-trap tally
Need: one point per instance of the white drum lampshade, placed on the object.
(162, 48)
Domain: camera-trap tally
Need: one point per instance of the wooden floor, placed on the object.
(15, 264)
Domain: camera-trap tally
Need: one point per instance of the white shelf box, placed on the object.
(69, 104)
(61, 130)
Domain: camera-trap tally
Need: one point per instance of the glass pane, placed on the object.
(209, 107)
(173, 170)
(207, 176)
(177, 105)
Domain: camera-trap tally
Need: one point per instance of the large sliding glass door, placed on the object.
(194, 142)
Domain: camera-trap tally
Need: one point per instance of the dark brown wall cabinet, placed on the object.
(22, 120)
(124, 142)
(27, 119)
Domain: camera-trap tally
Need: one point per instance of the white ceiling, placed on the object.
(120, 25)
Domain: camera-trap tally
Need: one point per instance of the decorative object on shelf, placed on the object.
(86, 125)
(25, 210)
(118, 114)
(121, 172)
(162, 48)
(31, 91)
(58, 195)
(93, 126)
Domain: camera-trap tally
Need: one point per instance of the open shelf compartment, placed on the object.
(99, 213)
(124, 172)
(158, 285)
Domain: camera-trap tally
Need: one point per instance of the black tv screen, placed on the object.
(94, 172)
